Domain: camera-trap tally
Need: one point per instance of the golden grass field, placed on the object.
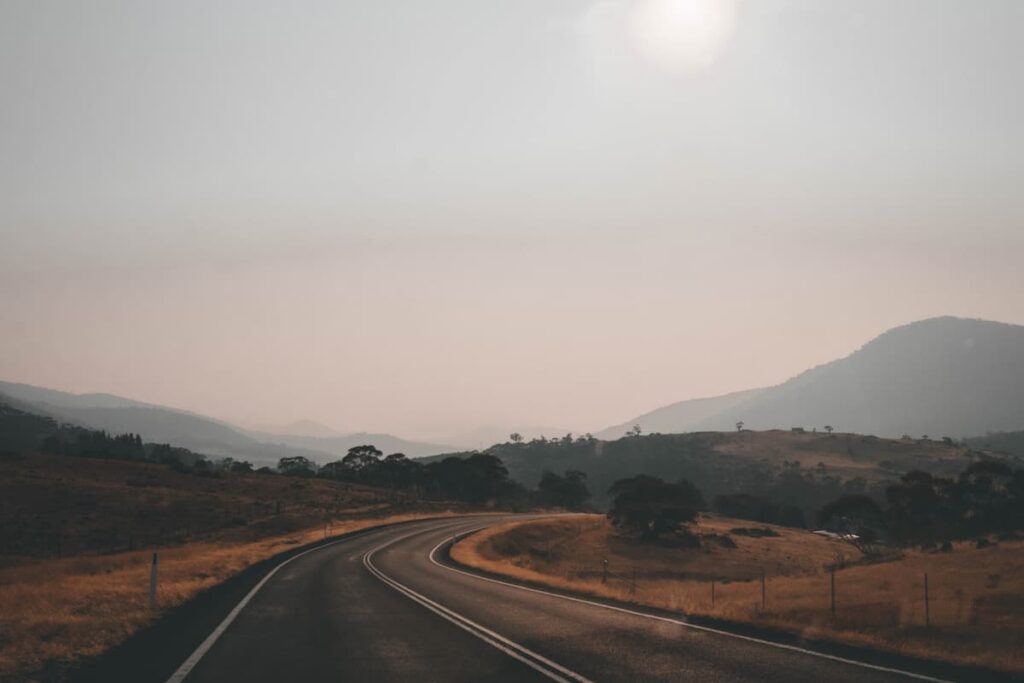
(976, 595)
(62, 610)
(77, 535)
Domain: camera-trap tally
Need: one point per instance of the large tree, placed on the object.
(856, 514)
(568, 490)
(651, 506)
(296, 466)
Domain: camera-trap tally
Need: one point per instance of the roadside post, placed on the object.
(833, 583)
(712, 592)
(604, 573)
(762, 590)
(152, 583)
(927, 611)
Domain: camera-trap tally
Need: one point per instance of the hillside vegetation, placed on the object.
(76, 537)
(801, 469)
(975, 610)
(57, 506)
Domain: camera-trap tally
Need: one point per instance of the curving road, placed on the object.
(385, 606)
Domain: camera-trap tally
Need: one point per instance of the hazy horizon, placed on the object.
(426, 220)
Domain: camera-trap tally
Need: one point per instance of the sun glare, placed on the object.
(682, 36)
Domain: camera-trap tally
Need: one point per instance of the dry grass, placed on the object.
(61, 610)
(53, 506)
(976, 595)
(845, 455)
(76, 537)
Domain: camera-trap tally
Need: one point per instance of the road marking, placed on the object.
(708, 629)
(545, 666)
(182, 671)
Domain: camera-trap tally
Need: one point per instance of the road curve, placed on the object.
(383, 607)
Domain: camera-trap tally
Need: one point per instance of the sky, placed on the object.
(423, 218)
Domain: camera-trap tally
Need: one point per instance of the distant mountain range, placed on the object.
(193, 431)
(941, 377)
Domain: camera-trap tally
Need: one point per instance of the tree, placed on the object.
(399, 472)
(759, 509)
(634, 431)
(568, 491)
(651, 506)
(296, 466)
(333, 470)
(739, 426)
(360, 462)
(921, 508)
(829, 429)
(516, 438)
(854, 513)
(241, 466)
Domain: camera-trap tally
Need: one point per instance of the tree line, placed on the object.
(987, 497)
(479, 478)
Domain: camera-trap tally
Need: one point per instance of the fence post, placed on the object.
(927, 612)
(833, 583)
(633, 588)
(152, 584)
(762, 590)
(712, 592)
(604, 573)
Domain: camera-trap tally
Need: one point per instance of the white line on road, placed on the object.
(182, 671)
(708, 629)
(552, 670)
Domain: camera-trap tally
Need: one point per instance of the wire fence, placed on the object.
(903, 599)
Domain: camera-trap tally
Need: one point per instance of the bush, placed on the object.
(651, 506)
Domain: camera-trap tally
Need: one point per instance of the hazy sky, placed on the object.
(423, 217)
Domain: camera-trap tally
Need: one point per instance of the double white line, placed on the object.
(545, 666)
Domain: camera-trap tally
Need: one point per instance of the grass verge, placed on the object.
(975, 606)
(54, 613)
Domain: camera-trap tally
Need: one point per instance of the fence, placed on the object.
(911, 600)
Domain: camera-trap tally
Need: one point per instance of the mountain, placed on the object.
(942, 377)
(668, 419)
(190, 430)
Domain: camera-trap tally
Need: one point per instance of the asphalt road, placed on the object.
(385, 607)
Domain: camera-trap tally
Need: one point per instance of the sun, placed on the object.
(682, 36)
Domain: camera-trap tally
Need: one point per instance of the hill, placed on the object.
(190, 430)
(679, 417)
(941, 377)
(805, 470)
(77, 536)
(1010, 443)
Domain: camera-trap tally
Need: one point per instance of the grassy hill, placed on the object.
(53, 506)
(77, 534)
(975, 600)
(807, 469)
(1010, 443)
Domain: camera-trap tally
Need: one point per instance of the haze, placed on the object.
(423, 218)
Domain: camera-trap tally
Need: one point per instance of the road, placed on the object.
(385, 607)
